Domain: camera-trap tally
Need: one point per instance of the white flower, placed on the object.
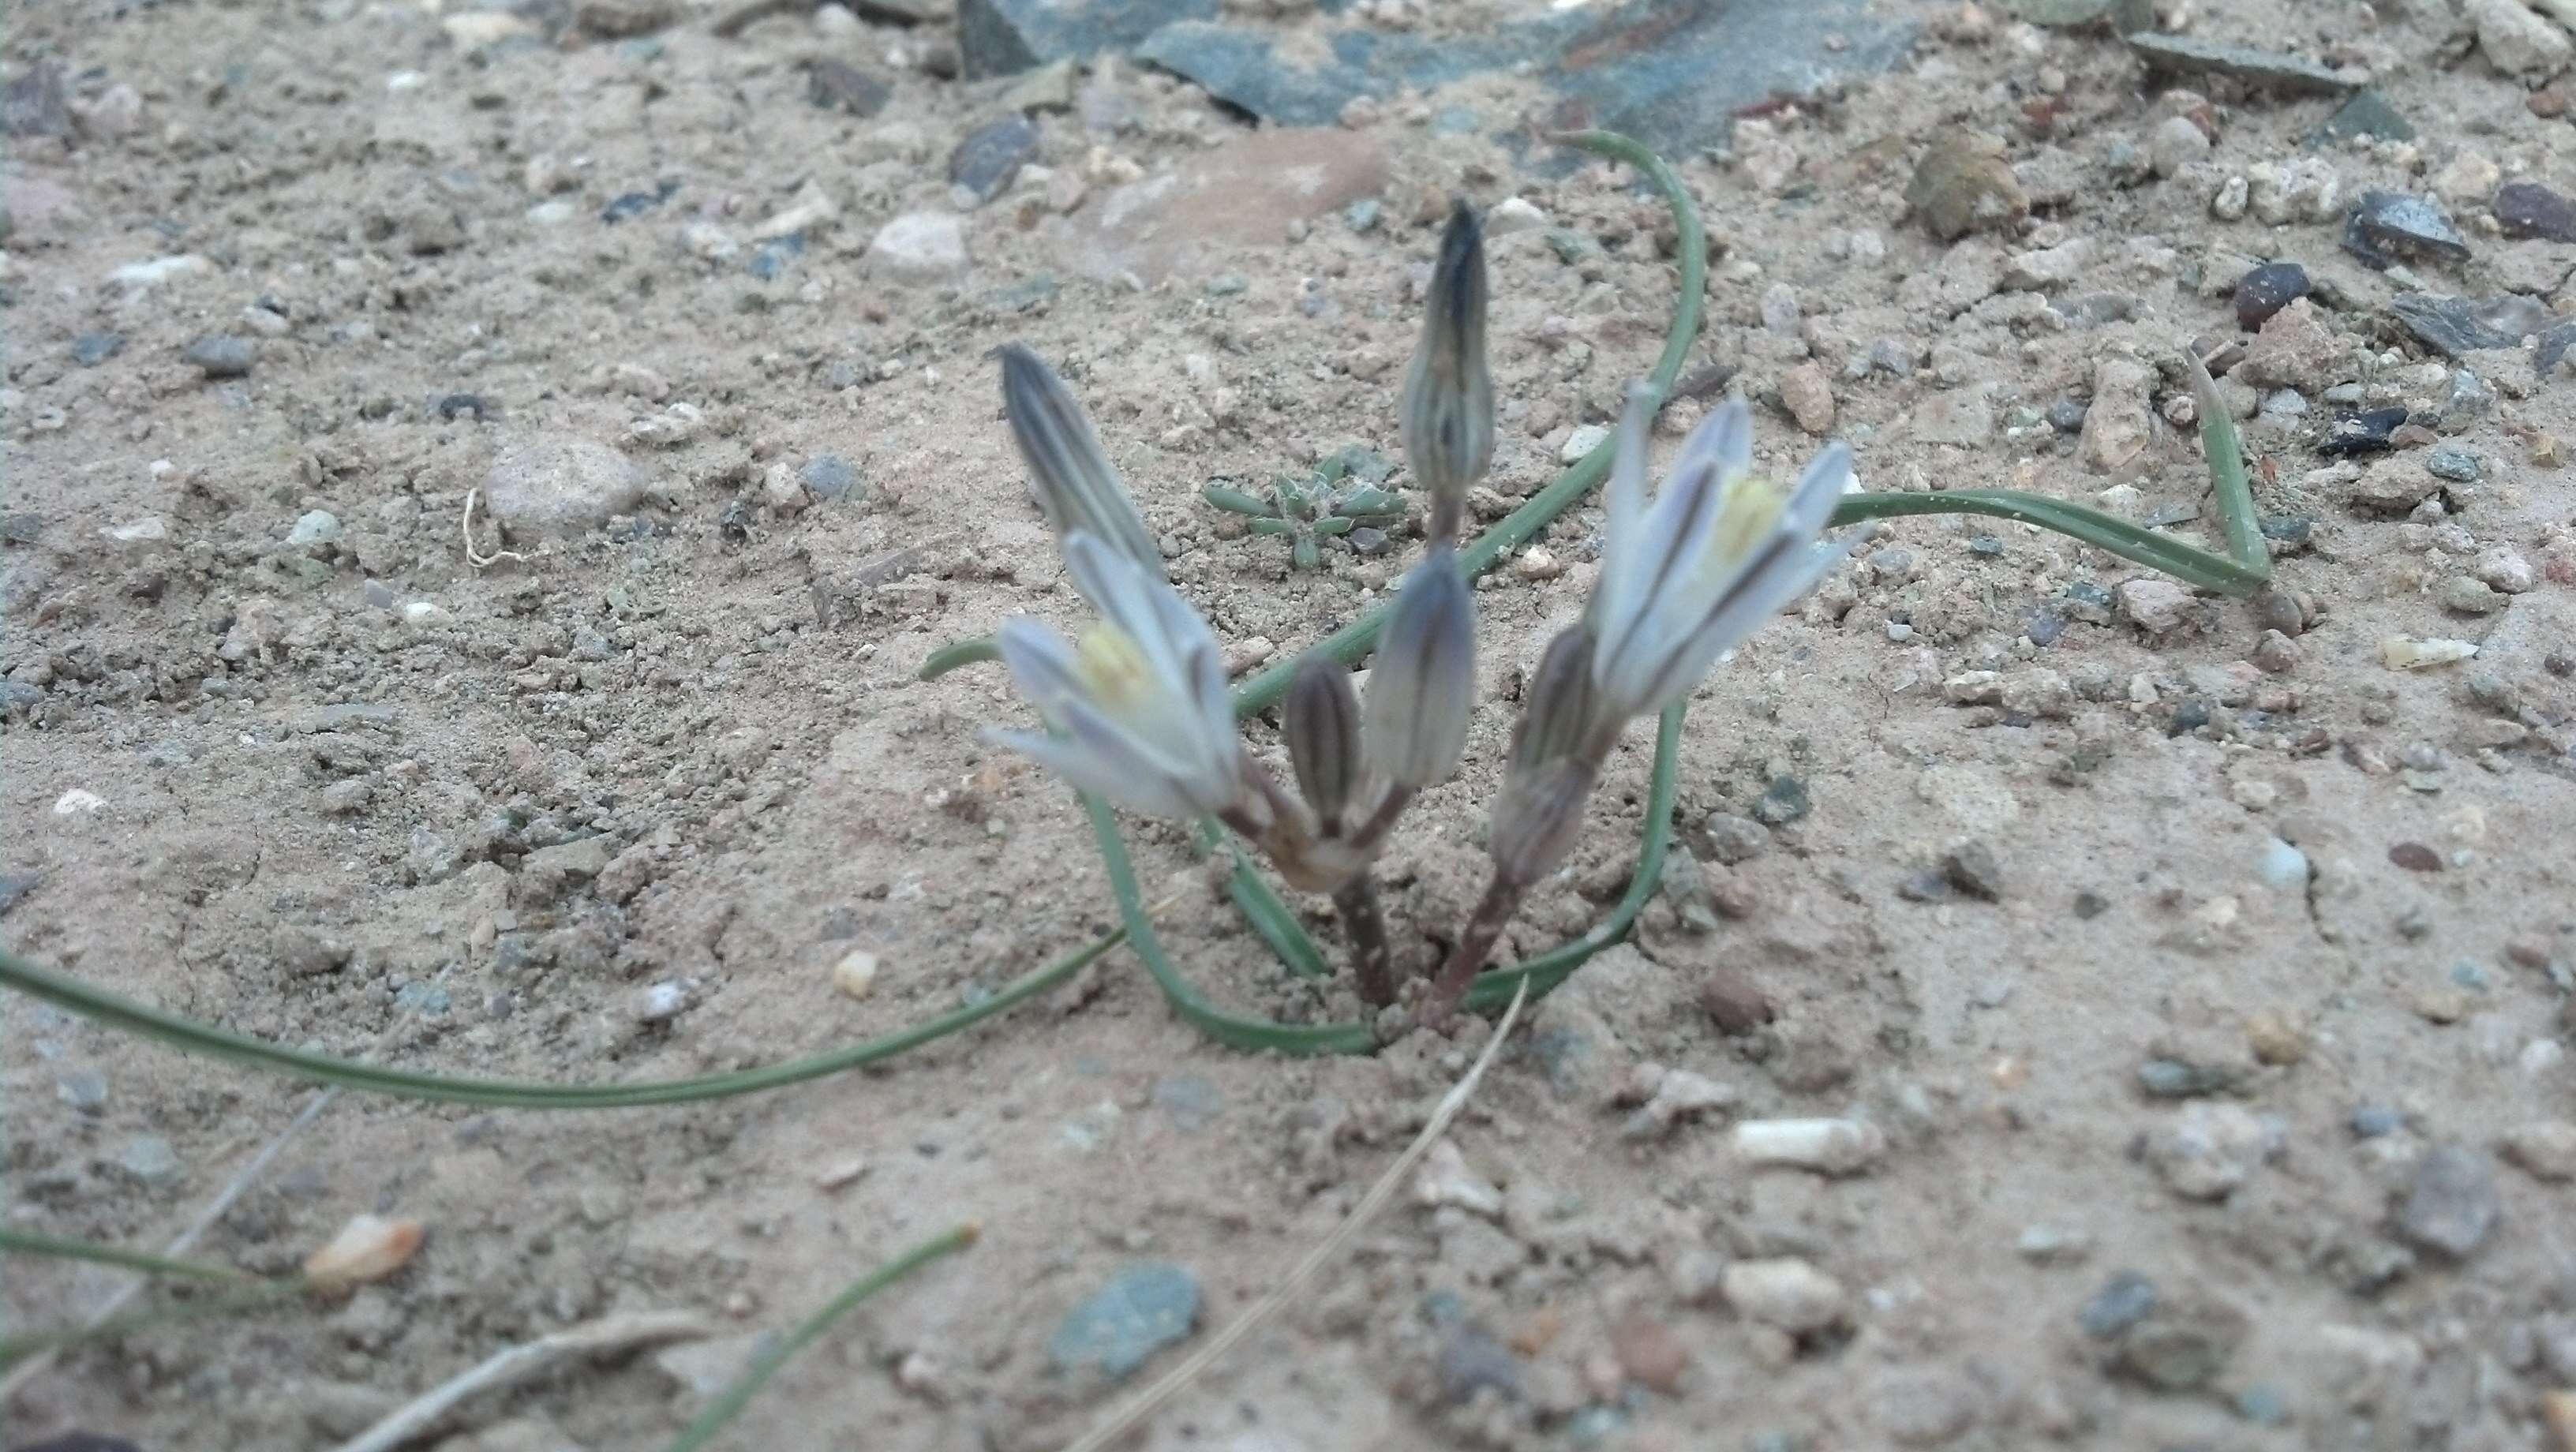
(1686, 577)
(1140, 700)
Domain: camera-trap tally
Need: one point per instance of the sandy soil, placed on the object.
(2223, 1080)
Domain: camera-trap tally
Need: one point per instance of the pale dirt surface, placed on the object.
(712, 696)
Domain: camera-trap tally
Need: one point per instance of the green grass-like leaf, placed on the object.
(116, 1011)
(730, 1402)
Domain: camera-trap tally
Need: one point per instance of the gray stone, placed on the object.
(1733, 839)
(2450, 461)
(2388, 227)
(990, 156)
(839, 86)
(920, 247)
(149, 1158)
(83, 1089)
(1115, 1330)
(2191, 54)
(2121, 1304)
(91, 349)
(1671, 74)
(1782, 802)
(2452, 1205)
(830, 477)
(553, 484)
(34, 104)
(2366, 114)
(2454, 326)
(313, 527)
(14, 887)
(220, 356)
(1471, 1360)
(2528, 209)
(1003, 37)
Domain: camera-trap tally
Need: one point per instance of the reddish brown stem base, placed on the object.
(1492, 915)
(1371, 963)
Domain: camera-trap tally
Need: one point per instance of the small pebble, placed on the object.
(2452, 1204)
(222, 356)
(2122, 1303)
(1828, 1146)
(2450, 461)
(367, 1249)
(1582, 441)
(855, 973)
(1786, 1293)
(1971, 868)
(84, 1090)
(2266, 290)
(2544, 1149)
(1115, 1330)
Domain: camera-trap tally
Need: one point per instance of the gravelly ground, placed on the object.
(2209, 989)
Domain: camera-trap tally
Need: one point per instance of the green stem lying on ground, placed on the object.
(116, 1011)
(28, 1242)
(755, 1376)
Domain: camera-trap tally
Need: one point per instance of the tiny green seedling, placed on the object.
(1339, 498)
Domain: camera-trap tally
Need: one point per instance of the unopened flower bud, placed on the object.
(1557, 704)
(1556, 751)
(1321, 719)
(1422, 687)
(1072, 480)
(1448, 419)
(1537, 818)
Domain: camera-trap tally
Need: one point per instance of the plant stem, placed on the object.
(95, 1003)
(1356, 900)
(746, 1386)
(1502, 899)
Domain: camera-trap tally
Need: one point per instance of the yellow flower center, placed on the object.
(1115, 670)
(1748, 510)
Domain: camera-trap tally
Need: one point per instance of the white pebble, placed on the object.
(1787, 1293)
(2403, 653)
(1513, 214)
(856, 973)
(1445, 1179)
(78, 802)
(1828, 1146)
(368, 1248)
(660, 1003)
(1583, 441)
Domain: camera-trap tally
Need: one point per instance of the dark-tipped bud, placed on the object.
(1556, 751)
(1537, 818)
(1422, 687)
(1557, 703)
(1069, 476)
(1448, 419)
(1321, 719)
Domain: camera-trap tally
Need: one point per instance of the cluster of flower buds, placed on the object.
(1137, 710)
